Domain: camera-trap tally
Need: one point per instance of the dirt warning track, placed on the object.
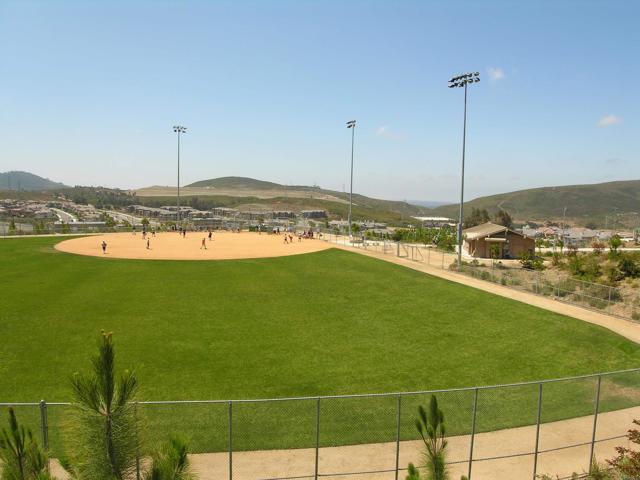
(173, 246)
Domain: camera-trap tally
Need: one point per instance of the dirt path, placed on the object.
(626, 328)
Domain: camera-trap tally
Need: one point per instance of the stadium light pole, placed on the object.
(179, 129)
(352, 125)
(459, 82)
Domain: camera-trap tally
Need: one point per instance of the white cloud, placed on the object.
(495, 74)
(385, 132)
(609, 120)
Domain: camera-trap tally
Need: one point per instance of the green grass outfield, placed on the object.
(326, 323)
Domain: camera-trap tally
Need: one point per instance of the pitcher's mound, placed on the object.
(172, 246)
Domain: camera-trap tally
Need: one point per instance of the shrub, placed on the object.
(21, 457)
(531, 262)
(628, 461)
(628, 267)
(598, 247)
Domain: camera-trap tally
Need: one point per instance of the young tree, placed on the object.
(21, 457)
(105, 435)
(539, 244)
(431, 427)
(614, 243)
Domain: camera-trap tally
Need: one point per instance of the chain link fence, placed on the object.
(604, 298)
(507, 431)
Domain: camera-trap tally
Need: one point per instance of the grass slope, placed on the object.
(332, 322)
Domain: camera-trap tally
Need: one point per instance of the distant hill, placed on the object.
(428, 203)
(249, 193)
(242, 183)
(584, 203)
(26, 181)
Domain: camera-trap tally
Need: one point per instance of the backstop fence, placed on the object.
(605, 298)
(511, 431)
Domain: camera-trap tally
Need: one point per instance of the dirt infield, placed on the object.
(172, 246)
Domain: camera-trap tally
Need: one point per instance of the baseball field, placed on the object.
(322, 323)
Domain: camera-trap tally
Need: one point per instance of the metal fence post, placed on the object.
(535, 456)
(429, 257)
(317, 463)
(230, 440)
(473, 431)
(610, 288)
(397, 249)
(135, 414)
(595, 421)
(44, 425)
(398, 416)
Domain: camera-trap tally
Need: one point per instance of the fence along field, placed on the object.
(605, 298)
(319, 423)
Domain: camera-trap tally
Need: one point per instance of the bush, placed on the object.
(531, 262)
(21, 457)
(598, 247)
(628, 267)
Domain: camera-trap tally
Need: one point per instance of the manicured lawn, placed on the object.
(327, 323)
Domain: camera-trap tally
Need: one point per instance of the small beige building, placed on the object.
(478, 241)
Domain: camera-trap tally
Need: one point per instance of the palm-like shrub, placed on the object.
(431, 427)
(21, 457)
(104, 435)
(170, 462)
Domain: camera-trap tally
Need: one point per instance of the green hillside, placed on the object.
(26, 181)
(584, 203)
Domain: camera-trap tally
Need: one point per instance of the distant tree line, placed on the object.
(99, 197)
(481, 215)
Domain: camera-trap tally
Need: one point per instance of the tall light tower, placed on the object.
(352, 125)
(458, 82)
(179, 129)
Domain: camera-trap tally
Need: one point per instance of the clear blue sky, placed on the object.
(90, 91)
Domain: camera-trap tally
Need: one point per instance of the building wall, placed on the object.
(514, 246)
